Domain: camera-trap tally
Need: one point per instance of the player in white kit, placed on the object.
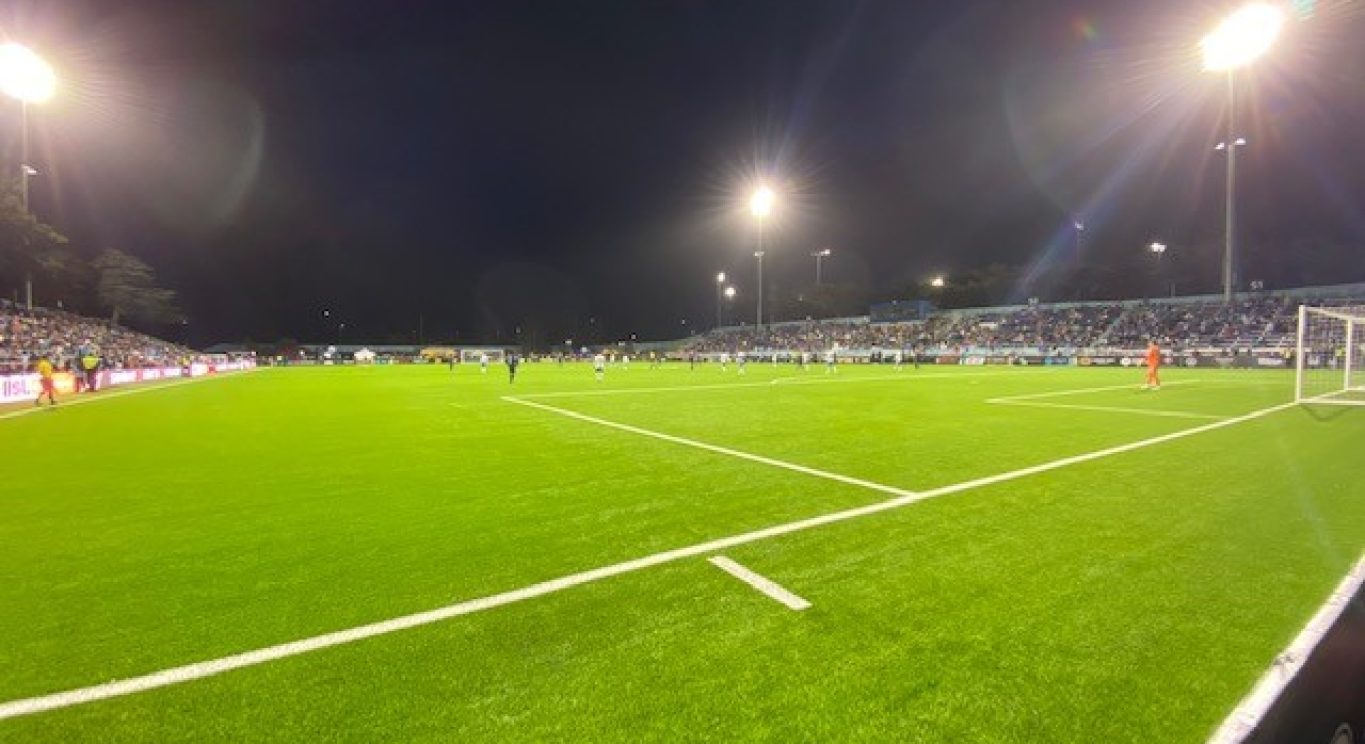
(599, 365)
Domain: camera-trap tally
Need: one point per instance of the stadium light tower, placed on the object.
(25, 77)
(819, 256)
(761, 205)
(1239, 40)
(730, 293)
(938, 282)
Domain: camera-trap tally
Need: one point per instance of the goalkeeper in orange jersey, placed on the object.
(1153, 366)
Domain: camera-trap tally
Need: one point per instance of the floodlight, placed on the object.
(761, 203)
(1242, 37)
(720, 278)
(730, 293)
(24, 75)
(938, 281)
(1157, 248)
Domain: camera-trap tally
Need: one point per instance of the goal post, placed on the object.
(1329, 356)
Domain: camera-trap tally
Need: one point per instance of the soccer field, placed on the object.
(988, 554)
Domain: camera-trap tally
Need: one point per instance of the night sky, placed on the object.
(580, 168)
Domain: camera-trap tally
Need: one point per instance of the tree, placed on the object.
(27, 246)
(127, 287)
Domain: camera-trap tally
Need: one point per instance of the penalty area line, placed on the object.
(1108, 409)
(684, 441)
(212, 667)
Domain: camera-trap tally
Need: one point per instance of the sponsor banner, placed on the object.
(25, 387)
(1028, 360)
(948, 359)
(973, 361)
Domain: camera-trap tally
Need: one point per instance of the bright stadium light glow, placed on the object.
(720, 278)
(730, 293)
(24, 75)
(938, 282)
(1157, 248)
(761, 203)
(1241, 38)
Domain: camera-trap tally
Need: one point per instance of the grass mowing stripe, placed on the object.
(1248, 714)
(764, 585)
(203, 669)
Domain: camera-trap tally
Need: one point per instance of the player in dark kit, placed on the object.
(512, 361)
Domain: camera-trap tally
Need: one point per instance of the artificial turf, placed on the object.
(1131, 598)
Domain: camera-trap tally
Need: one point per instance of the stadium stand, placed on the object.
(1263, 321)
(62, 336)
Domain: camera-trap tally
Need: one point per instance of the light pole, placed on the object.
(760, 206)
(758, 316)
(25, 77)
(819, 256)
(1237, 42)
(720, 288)
(1079, 224)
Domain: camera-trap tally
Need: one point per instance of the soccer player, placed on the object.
(483, 362)
(512, 361)
(830, 360)
(625, 362)
(899, 358)
(805, 360)
(724, 360)
(599, 365)
(1153, 365)
(45, 379)
(741, 359)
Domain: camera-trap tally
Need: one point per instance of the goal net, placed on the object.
(1330, 356)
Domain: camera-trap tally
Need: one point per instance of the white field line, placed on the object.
(763, 584)
(766, 383)
(203, 669)
(772, 462)
(1252, 710)
(1109, 409)
(99, 396)
(1077, 391)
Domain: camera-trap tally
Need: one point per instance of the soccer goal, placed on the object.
(1330, 356)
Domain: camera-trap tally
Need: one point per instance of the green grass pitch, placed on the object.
(1133, 597)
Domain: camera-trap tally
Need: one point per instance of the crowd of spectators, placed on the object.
(1267, 321)
(27, 335)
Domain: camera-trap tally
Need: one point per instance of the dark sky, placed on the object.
(577, 165)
